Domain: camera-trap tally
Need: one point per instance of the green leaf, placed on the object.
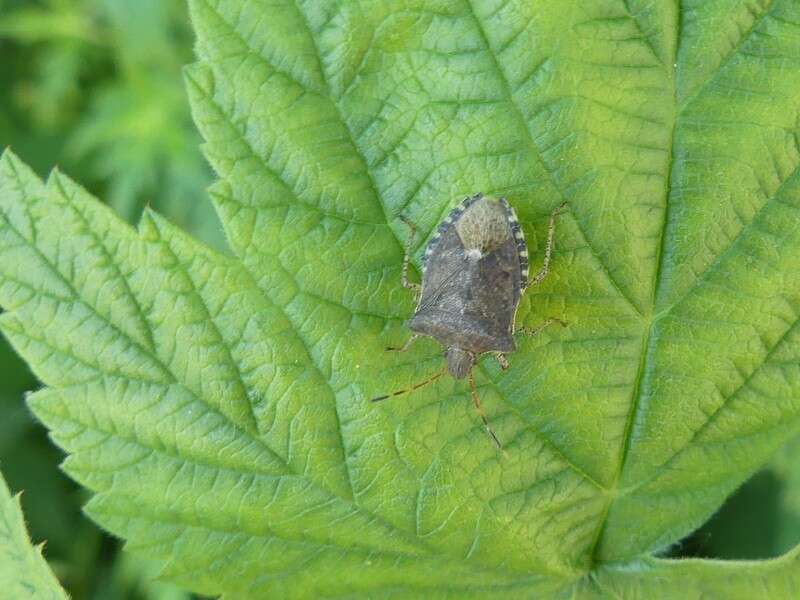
(218, 407)
(24, 572)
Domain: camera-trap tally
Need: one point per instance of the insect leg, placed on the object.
(548, 249)
(501, 358)
(409, 285)
(416, 386)
(405, 346)
(479, 408)
(541, 326)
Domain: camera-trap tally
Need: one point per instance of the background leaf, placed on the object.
(94, 86)
(240, 448)
(23, 570)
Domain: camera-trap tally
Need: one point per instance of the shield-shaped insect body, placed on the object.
(474, 273)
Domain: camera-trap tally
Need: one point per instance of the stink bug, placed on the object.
(474, 272)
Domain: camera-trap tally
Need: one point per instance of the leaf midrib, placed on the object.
(647, 319)
(647, 345)
(657, 314)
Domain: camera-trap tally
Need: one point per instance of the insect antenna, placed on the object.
(416, 386)
(479, 408)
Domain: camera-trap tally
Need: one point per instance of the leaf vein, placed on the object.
(737, 49)
(529, 134)
(715, 414)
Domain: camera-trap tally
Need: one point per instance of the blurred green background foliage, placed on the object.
(95, 87)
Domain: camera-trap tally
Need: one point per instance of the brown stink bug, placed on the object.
(474, 272)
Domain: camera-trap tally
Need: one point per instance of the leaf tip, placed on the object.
(150, 224)
(8, 159)
(62, 189)
(58, 180)
(32, 399)
(45, 406)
